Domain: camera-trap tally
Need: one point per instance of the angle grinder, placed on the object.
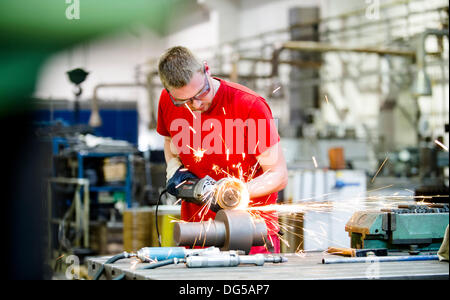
(227, 193)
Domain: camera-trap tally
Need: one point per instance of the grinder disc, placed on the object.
(231, 193)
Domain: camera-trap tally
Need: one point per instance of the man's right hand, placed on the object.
(178, 178)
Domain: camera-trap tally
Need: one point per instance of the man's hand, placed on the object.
(178, 178)
(204, 187)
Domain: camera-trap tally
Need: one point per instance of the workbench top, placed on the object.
(307, 266)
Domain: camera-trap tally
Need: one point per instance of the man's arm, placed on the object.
(275, 174)
(172, 160)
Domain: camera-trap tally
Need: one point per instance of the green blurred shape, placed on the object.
(30, 31)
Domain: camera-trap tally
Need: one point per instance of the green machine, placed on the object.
(409, 227)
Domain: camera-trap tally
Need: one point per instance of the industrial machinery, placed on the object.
(408, 227)
(230, 230)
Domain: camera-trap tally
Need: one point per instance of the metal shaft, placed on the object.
(230, 260)
(378, 259)
(231, 230)
(231, 193)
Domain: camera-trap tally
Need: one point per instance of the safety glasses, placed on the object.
(204, 91)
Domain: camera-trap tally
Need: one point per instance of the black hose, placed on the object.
(160, 264)
(109, 261)
(156, 216)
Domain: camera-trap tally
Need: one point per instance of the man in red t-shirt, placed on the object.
(221, 129)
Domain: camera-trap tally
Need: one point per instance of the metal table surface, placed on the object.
(307, 266)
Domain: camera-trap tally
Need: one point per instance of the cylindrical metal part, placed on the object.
(228, 260)
(240, 229)
(224, 260)
(259, 232)
(257, 259)
(231, 193)
(230, 198)
(231, 230)
(327, 260)
(208, 233)
(149, 254)
(275, 259)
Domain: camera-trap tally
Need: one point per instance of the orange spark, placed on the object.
(315, 162)
(190, 110)
(60, 257)
(326, 98)
(379, 169)
(254, 151)
(441, 145)
(181, 183)
(216, 169)
(223, 108)
(198, 154)
(134, 263)
(276, 90)
(228, 154)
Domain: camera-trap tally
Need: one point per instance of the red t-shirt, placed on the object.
(237, 127)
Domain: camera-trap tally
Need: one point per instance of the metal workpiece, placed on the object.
(152, 254)
(230, 230)
(227, 193)
(372, 259)
(206, 234)
(231, 193)
(230, 260)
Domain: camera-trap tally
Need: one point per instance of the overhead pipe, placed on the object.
(95, 119)
(310, 46)
(422, 83)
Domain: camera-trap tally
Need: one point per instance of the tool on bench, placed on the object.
(357, 252)
(214, 258)
(329, 260)
(154, 254)
(193, 258)
(230, 259)
(414, 228)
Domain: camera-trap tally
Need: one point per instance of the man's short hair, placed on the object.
(176, 67)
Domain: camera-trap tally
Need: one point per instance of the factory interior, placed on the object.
(358, 91)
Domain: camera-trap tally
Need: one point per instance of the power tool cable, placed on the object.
(110, 261)
(156, 216)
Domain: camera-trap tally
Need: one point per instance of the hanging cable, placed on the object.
(156, 216)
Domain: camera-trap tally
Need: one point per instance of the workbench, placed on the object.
(307, 266)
